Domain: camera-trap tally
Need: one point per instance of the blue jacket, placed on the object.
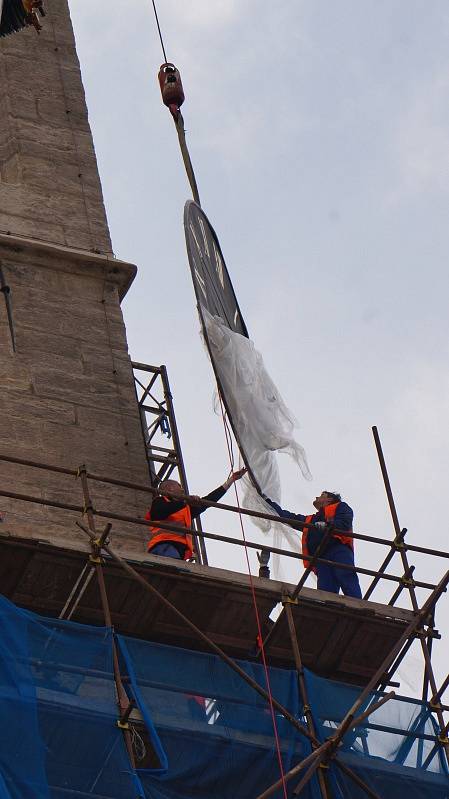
(343, 516)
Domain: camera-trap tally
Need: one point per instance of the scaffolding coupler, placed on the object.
(398, 542)
(95, 559)
(288, 600)
(98, 543)
(123, 721)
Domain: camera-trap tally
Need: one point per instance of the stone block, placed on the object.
(45, 345)
(82, 390)
(13, 375)
(21, 437)
(20, 404)
(10, 170)
(28, 226)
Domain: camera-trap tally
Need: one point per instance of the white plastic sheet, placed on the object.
(263, 423)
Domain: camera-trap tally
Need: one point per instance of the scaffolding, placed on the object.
(157, 416)
(416, 625)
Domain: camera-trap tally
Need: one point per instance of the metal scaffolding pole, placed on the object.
(350, 720)
(97, 543)
(429, 678)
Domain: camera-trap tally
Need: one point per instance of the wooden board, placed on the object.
(339, 637)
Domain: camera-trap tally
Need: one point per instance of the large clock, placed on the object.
(215, 294)
(260, 420)
(213, 287)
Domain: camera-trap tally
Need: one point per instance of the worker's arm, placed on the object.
(217, 493)
(343, 517)
(284, 514)
(214, 496)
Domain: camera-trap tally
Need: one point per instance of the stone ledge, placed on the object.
(114, 270)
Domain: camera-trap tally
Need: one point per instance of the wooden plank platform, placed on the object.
(340, 637)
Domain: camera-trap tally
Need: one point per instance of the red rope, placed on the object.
(256, 610)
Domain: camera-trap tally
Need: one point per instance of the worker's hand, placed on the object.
(233, 477)
(320, 525)
(194, 498)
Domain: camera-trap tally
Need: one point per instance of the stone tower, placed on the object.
(66, 385)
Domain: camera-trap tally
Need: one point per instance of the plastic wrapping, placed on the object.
(259, 416)
(210, 731)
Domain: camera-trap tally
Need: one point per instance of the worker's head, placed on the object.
(171, 487)
(326, 498)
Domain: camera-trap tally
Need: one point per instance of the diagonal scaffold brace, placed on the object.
(328, 750)
(429, 677)
(351, 719)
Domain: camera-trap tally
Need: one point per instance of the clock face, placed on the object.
(214, 292)
(213, 287)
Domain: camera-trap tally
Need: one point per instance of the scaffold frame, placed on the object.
(420, 627)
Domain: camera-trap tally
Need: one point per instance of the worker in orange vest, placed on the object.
(331, 511)
(181, 514)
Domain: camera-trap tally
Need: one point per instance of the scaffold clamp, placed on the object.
(398, 542)
(288, 600)
(96, 559)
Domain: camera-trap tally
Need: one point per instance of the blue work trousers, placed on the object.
(331, 578)
(167, 550)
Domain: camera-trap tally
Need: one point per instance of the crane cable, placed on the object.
(159, 30)
(173, 97)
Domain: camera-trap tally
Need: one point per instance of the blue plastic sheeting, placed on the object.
(217, 734)
(401, 732)
(58, 736)
(393, 750)
(215, 730)
(210, 731)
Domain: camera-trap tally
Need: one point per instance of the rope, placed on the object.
(159, 30)
(256, 610)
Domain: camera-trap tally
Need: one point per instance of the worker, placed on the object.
(179, 512)
(331, 511)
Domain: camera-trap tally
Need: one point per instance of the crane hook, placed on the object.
(171, 87)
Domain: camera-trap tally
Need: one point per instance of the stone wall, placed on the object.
(67, 394)
(49, 184)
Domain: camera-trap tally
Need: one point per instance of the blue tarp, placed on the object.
(210, 733)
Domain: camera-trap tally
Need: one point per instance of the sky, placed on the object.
(319, 134)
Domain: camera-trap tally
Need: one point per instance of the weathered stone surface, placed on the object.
(49, 185)
(20, 404)
(67, 394)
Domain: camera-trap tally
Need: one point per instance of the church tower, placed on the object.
(67, 394)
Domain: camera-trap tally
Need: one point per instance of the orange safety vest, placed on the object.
(181, 518)
(329, 515)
